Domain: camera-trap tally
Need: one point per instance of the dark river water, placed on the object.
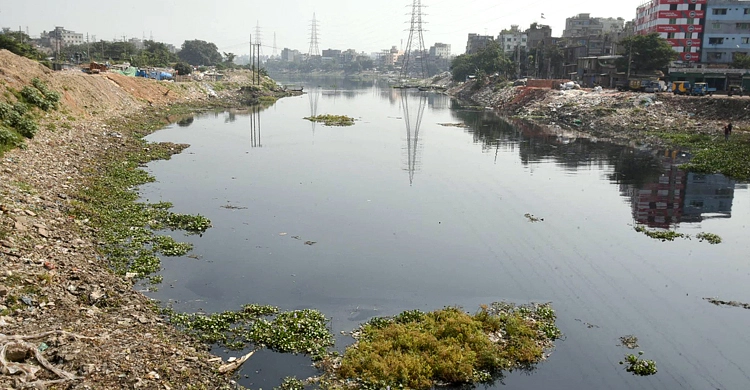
(407, 213)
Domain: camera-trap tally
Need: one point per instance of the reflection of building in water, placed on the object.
(659, 204)
(677, 196)
(413, 121)
(708, 196)
(438, 101)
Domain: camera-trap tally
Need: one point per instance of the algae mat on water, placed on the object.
(445, 347)
(332, 120)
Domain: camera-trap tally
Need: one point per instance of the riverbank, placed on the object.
(104, 334)
(641, 120)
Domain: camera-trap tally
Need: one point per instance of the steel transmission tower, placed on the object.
(274, 44)
(314, 49)
(415, 44)
(258, 37)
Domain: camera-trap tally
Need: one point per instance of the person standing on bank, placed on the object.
(727, 131)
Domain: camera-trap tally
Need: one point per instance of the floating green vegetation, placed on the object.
(191, 223)
(711, 238)
(445, 347)
(663, 235)
(299, 331)
(291, 383)
(332, 120)
(167, 246)
(712, 154)
(669, 235)
(638, 366)
(126, 228)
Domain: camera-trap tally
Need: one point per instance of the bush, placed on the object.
(34, 97)
(183, 68)
(27, 127)
(40, 96)
(8, 137)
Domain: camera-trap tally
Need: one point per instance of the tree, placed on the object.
(489, 60)
(741, 61)
(648, 53)
(154, 54)
(18, 43)
(229, 58)
(197, 52)
(183, 68)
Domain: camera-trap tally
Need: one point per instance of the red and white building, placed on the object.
(680, 22)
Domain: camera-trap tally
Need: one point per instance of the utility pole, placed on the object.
(252, 59)
(258, 59)
(416, 27)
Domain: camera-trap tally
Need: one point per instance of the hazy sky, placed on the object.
(362, 25)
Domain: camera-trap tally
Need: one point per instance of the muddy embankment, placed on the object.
(60, 303)
(636, 119)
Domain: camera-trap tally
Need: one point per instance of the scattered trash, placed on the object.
(282, 234)
(532, 218)
(310, 243)
(719, 302)
(629, 341)
(43, 347)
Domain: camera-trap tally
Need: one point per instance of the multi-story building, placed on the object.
(537, 35)
(390, 57)
(60, 37)
(332, 54)
(289, 55)
(727, 31)
(440, 50)
(477, 42)
(583, 25)
(513, 40)
(680, 22)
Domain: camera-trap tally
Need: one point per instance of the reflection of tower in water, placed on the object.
(255, 127)
(413, 122)
(313, 96)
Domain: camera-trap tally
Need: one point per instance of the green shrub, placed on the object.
(34, 97)
(27, 127)
(8, 137)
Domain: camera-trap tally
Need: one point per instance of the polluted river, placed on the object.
(424, 203)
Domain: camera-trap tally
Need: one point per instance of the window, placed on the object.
(743, 26)
(745, 40)
(673, 7)
(690, 21)
(717, 55)
(691, 7)
(719, 11)
(747, 11)
(670, 35)
(715, 41)
(716, 26)
(672, 21)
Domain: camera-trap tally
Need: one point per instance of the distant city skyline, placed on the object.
(366, 27)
